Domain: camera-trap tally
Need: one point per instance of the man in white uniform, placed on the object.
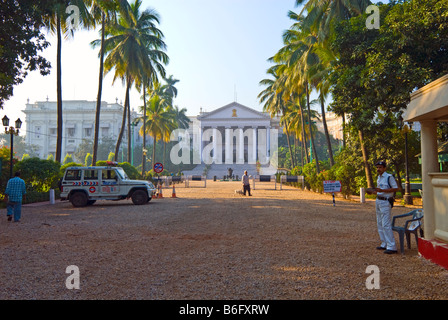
(386, 186)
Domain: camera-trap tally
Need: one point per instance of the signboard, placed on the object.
(158, 167)
(331, 186)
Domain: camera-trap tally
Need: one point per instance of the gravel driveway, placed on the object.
(210, 244)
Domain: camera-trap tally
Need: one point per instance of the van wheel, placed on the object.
(139, 197)
(79, 199)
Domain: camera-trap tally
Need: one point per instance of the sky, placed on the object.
(218, 49)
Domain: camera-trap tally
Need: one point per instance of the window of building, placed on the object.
(71, 132)
(37, 132)
(87, 132)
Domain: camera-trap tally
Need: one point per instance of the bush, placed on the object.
(70, 164)
(42, 175)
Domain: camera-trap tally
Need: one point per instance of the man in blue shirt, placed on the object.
(15, 191)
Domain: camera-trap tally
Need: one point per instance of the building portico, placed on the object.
(235, 134)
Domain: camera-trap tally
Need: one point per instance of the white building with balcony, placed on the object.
(78, 125)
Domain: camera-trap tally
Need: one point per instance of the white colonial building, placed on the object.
(78, 124)
(233, 136)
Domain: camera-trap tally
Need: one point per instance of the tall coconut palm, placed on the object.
(298, 55)
(103, 11)
(183, 122)
(60, 23)
(319, 14)
(159, 122)
(276, 100)
(134, 44)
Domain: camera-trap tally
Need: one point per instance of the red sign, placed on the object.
(158, 167)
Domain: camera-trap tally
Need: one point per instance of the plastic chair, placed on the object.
(412, 225)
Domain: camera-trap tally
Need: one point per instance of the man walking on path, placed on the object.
(15, 191)
(246, 183)
(386, 186)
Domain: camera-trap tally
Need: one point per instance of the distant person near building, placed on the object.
(246, 183)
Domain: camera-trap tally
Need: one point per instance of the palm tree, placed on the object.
(160, 121)
(57, 24)
(277, 101)
(170, 88)
(183, 122)
(321, 13)
(102, 11)
(135, 49)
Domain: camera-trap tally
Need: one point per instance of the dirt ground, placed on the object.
(210, 244)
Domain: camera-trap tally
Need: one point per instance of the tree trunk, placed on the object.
(123, 122)
(60, 131)
(129, 126)
(302, 119)
(365, 157)
(327, 135)
(144, 130)
(100, 90)
(153, 152)
(289, 145)
(400, 187)
(313, 145)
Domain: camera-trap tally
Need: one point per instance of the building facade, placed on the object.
(78, 125)
(233, 133)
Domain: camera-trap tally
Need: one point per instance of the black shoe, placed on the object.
(390, 251)
(380, 248)
(9, 218)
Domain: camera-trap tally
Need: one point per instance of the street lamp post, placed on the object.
(13, 132)
(407, 186)
(133, 125)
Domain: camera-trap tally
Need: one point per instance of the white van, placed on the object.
(84, 185)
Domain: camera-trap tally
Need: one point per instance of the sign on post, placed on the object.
(331, 186)
(158, 167)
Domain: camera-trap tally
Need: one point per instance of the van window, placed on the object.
(109, 174)
(91, 175)
(73, 175)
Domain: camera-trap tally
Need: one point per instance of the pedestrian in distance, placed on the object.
(386, 187)
(15, 192)
(246, 183)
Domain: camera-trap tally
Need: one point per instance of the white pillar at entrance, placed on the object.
(429, 165)
(201, 133)
(215, 145)
(254, 147)
(268, 143)
(229, 146)
(241, 146)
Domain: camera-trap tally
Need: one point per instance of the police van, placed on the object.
(82, 186)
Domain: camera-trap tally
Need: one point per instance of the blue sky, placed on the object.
(214, 47)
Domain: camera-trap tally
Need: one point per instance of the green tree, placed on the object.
(21, 42)
(56, 22)
(160, 121)
(68, 158)
(41, 174)
(104, 12)
(135, 49)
